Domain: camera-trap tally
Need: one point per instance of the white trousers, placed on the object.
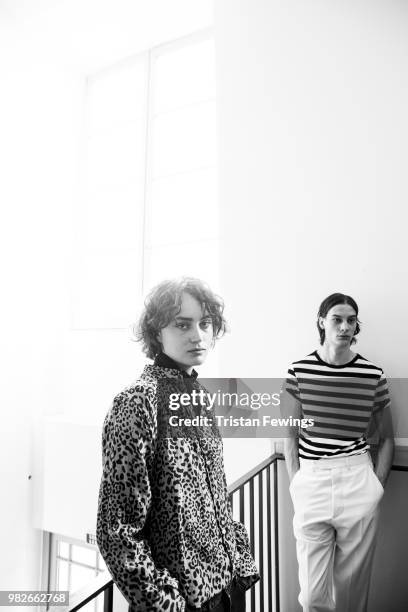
(336, 514)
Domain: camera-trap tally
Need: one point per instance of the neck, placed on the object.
(165, 360)
(335, 354)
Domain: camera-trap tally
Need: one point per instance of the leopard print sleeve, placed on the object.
(246, 569)
(124, 502)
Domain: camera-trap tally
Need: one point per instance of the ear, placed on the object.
(321, 322)
(159, 337)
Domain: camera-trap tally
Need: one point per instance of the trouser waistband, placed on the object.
(328, 463)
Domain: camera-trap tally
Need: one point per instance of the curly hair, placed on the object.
(164, 302)
(328, 303)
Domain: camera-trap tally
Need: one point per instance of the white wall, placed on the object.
(312, 100)
(38, 126)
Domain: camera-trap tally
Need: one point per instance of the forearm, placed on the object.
(384, 460)
(133, 569)
(291, 450)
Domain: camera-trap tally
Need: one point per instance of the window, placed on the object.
(75, 564)
(149, 209)
(181, 213)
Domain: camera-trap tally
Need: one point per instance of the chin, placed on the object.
(197, 359)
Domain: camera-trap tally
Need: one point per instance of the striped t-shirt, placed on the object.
(340, 399)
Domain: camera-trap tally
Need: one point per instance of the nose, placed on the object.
(344, 327)
(197, 334)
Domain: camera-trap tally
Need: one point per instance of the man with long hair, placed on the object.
(334, 488)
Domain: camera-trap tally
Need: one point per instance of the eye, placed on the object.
(182, 326)
(206, 324)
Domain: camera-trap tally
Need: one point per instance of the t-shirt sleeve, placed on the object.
(290, 395)
(290, 384)
(382, 395)
(381, 421)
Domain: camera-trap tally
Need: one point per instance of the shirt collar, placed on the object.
(164, 361)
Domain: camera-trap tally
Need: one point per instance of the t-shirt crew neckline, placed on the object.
(332, 365)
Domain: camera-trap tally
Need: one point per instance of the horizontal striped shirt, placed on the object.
(340, 399)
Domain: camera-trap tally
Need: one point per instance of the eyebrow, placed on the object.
(178, 318)
(340, 316)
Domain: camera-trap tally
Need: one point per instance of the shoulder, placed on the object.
(306, 362)
(133, 406)
(139, 391)
(367, 366)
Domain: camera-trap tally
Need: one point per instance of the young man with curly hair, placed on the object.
(164, 523)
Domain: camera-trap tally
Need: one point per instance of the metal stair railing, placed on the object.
(263, 479)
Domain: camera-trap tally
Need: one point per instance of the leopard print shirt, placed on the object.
(164, 524)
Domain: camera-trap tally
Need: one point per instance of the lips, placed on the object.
(197, 351)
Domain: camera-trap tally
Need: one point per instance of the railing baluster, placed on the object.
(276, 537)
(252, 516)
(252, 531)
(269, 535)
(260, 528)
(108, 599)
(241, 504)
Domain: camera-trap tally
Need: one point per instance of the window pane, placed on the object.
(112, 218)
(84, 555)
(184, 140)
(184, 76)
(117, 95)
(200, 259)
(80, 576)
(183, 208)
(116, 156)
(108, 287)
(101, 563)
(62, 575)
(63, 549)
